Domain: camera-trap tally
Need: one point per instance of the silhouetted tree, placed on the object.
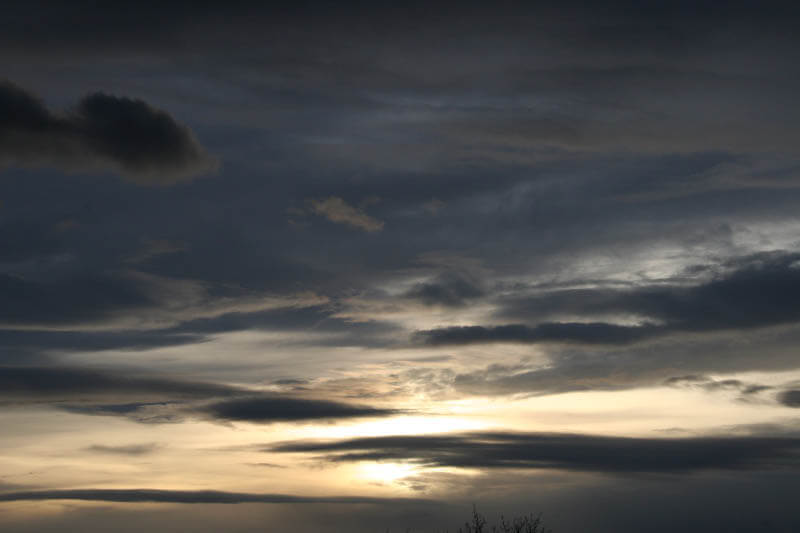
(522, 524)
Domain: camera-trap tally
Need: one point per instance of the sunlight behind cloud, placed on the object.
(385, 472)
(402, 425)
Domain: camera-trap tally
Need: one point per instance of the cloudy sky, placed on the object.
(327, 267)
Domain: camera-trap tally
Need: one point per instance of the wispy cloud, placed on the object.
(337, 210)
(189, 496)
(125, 449)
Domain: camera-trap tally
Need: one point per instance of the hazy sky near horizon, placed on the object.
(315, 267)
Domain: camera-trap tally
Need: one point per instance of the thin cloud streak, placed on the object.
(192, 497)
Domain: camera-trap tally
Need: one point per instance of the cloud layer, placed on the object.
(758, 291)
(583, 453)
(188, 496)
(575, 222)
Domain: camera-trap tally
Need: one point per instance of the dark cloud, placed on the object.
(790, 398)
(450, 290)
(139, 397)
(76, 298)
(290, 381)
(158, 400)
(103, 132)
(165, 412)
(142, 309)
(266, 409)
(563, 452)
(59, 383)
(188, 496)
(38, 342)
(590, 333)
(708, 384)
(757, 291)
(578, 368)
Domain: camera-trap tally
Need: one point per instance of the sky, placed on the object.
(354, 267)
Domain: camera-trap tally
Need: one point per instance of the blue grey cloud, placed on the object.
(102, 132)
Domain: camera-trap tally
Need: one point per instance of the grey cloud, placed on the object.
(80, 297)
(328, 330)
(584, 453)
(128, 300)
(758, 291)
(580, 368)
(157, 400)
(449, 289)
(153, 248)
(613, 110)
(711, 385)
(267, 465)
(290, 381)
(266, 409)
(103, 132)
(188, 496)
(790, 398)
(59, 383)
(38, 342)
(589, 333)
(165, 412)
(753, 291)
(747, 391)
(128, 449)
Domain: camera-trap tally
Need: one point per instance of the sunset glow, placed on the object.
(355, 268)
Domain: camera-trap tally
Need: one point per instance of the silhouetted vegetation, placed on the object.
(521, 524)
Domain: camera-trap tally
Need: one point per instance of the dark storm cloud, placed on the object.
(103, 132)
(267, 409)
(758, 291)
(584, 453)
(188, 496)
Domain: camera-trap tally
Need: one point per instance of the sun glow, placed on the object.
(385, 472)
(401, 425)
